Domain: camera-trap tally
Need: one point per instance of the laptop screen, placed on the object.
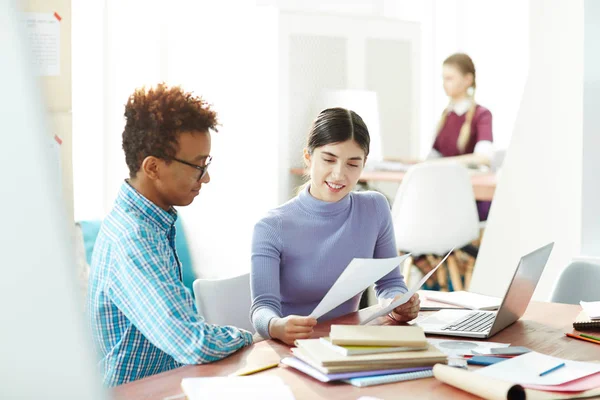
(521, 288)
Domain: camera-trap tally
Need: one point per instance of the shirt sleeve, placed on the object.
(483, 125)
(146, 288)
(433, 154)
(391, 284)
(484, 148)
(267, 248)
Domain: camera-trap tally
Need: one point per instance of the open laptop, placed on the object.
(485, 324)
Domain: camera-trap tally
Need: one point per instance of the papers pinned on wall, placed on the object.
(43, 32)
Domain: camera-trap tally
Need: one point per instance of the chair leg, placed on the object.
(440, 273)
(455, 277)
(469, 272)
(466, 262)
(406, 268)
(461, 258)
(423, 265)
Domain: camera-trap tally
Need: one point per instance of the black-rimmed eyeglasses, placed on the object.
(201, 168)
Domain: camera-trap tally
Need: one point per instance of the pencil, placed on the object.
(254, 370)
(582, 338)
(590, 336)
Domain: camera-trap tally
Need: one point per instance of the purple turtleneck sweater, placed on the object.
(301, 247)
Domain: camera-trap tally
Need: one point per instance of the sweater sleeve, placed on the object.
(391, 284)
(267, 248)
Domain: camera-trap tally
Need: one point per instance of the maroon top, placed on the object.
(481, 129)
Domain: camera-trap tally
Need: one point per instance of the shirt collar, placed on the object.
(130, 198)
(460, 107)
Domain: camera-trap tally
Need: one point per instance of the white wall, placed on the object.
(224, 52)
(538, 198)
(41, 312)
(496, 35)
(238, 74)
(479, 28)
(328, 52)
(228, 53)
(590, 228)
(57, 91)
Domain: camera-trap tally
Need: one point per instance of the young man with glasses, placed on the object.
(142, 317)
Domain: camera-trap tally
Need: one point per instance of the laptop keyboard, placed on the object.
(474, 322)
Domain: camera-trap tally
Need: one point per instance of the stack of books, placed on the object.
(358, 354)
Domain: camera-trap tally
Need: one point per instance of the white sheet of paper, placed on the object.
(473, 301)
(358, 275)
(406, 296)
(460, 347)
(43, 31)
(247, 387)
(591, 308)
(526, 369)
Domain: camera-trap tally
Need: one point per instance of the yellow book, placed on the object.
(376, 335)
(357, 350)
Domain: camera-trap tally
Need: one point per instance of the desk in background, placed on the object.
(484, 184)
(542, 329)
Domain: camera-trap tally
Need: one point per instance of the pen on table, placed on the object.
(552, 369)
(590, 336)
(255, 370)
(587, 339)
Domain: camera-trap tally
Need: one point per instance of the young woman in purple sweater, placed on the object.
(301, 247)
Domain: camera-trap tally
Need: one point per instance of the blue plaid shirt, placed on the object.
(143, 319)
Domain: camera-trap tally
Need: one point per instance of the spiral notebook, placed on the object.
(584, 322)
(379, 380)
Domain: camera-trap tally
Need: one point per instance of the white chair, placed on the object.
(434, 210)
(497, 160)
(578, 281)
(225, 301)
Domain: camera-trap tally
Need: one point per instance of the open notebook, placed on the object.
(469, 300)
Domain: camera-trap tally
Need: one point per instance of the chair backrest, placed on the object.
(225, 301)
(497, 159)
(579, 281)
(434, 209)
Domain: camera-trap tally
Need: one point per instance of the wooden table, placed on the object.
(542, 328)
(484, 184)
